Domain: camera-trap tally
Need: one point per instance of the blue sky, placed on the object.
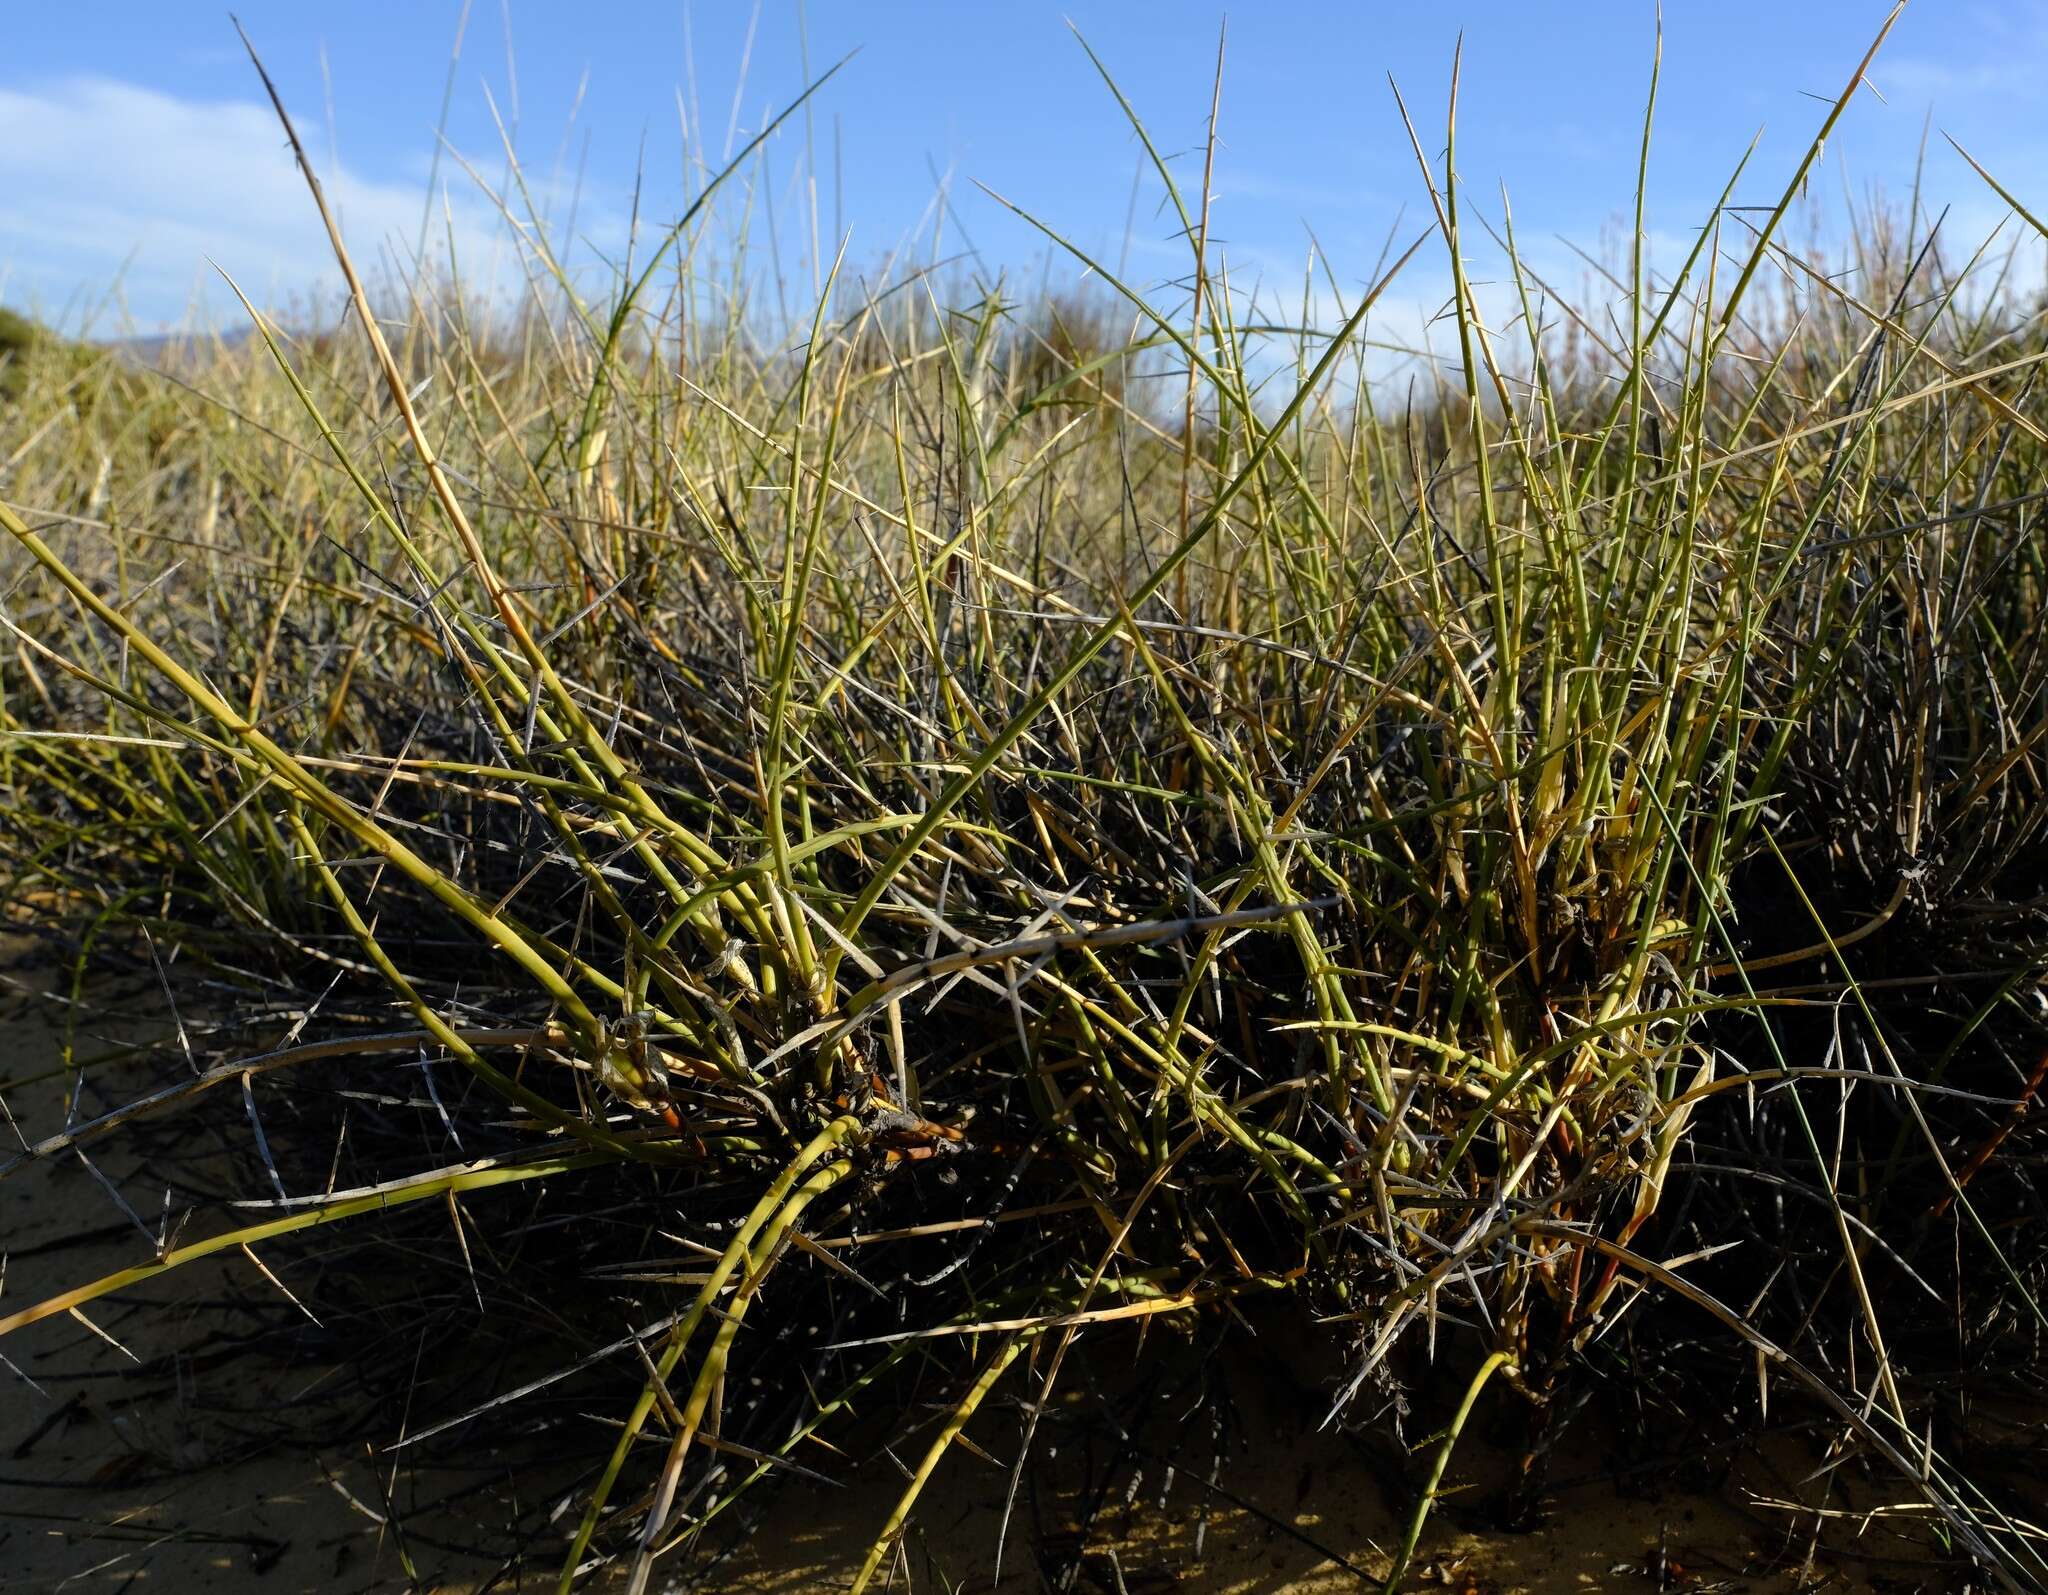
(134, 147)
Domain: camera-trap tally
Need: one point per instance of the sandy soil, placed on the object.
(161, 1480)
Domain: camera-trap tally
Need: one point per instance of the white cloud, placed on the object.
(103, 180)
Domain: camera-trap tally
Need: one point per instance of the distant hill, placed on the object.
(151, 348)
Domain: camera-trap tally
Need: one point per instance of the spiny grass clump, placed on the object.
(859, 862)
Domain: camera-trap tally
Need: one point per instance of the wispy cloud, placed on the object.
(106, 185)
(1943, 82)
(1324, 197)
(1989, 49)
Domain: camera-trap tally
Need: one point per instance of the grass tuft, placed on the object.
(986, 824)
